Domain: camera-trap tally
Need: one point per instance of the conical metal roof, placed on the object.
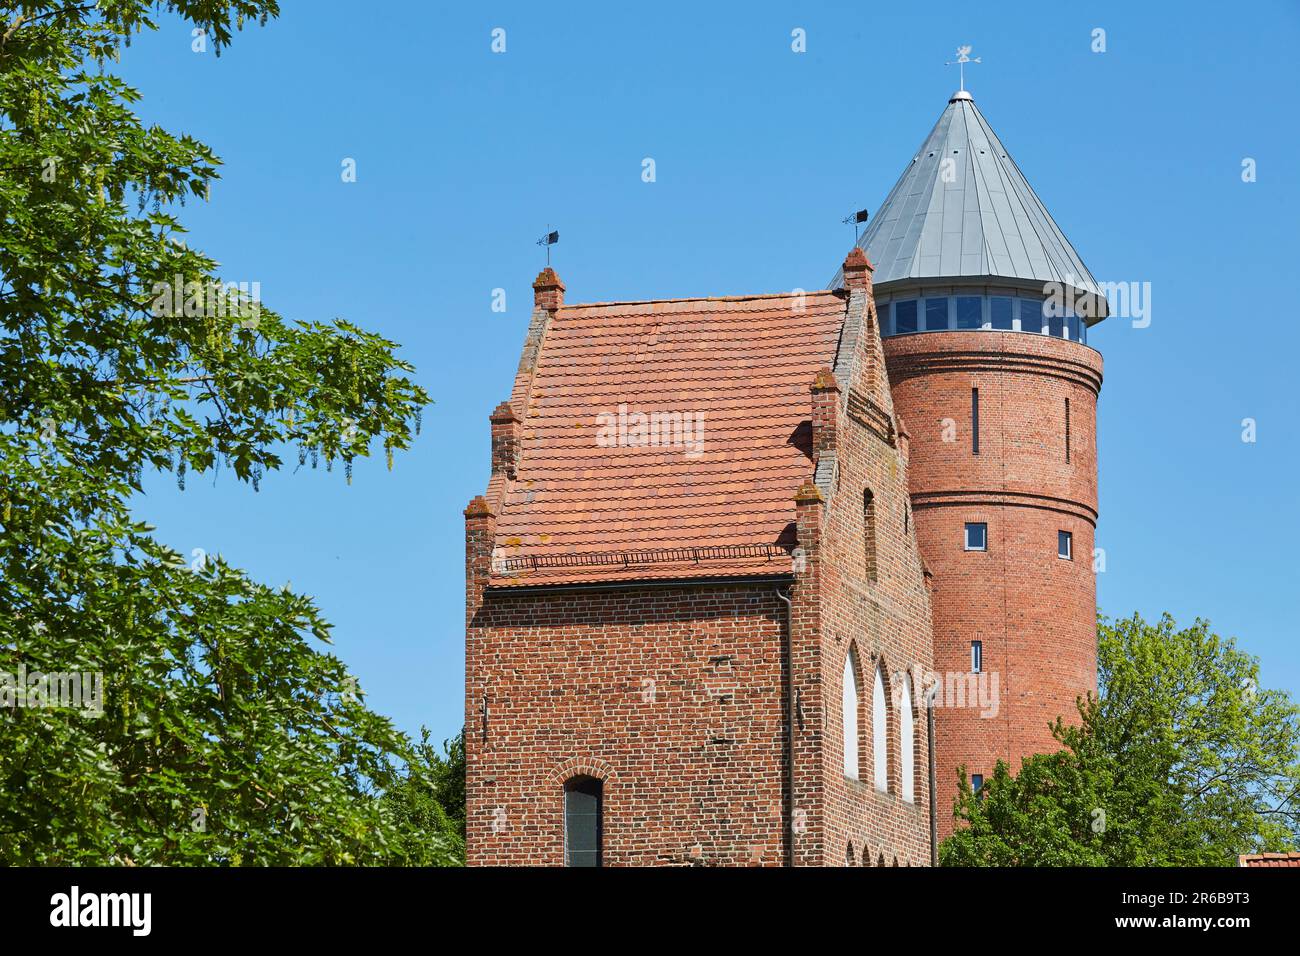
(975, 216)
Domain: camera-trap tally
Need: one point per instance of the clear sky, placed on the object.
(464, 156)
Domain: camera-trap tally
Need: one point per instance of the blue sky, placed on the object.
(463, 158)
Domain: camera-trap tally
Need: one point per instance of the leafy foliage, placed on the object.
(1182, 761)
(428, 804)
(227, 735)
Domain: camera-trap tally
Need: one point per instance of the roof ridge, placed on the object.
(699, 298)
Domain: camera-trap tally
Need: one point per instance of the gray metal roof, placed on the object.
(975, 217)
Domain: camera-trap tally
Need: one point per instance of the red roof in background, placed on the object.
(1269, 859)
(745, 364)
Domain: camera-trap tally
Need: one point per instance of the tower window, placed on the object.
(1031, 315)
(970, 311)
(936, 314)
(977, 536)
(583, 821)
(1000, 312)
(976, 656)
(977, 784)
(869, 532)
(905, 316)
(1056, 325)
(1065, 545)
(974, 421)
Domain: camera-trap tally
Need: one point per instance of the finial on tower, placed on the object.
(963, 57)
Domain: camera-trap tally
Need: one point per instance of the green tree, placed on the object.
(428, 803)
(227, 733)
(1182, 761)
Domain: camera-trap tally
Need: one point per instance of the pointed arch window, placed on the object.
(850, 719)
(906, 742)
(880, 732)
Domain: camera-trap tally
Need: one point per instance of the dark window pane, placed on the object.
(1074, 327)
(905, 316)
(1064, 544)
(1056, 325)
(1031, 315)
(976, 536)
(1000, 312)
(936, 314)
(582, 821)
(969, 308)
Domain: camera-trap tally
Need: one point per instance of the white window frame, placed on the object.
(849, 717)
(966, 531)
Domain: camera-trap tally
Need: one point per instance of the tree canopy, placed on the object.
(1182, 760)
(225, 733)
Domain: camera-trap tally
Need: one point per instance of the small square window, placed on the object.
(1065, 545)
(977, 536)
(976, 656)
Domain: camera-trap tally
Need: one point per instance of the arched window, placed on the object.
(906, 744)
(850, 720)
(848, 855)
(583, 797)
(880, 732)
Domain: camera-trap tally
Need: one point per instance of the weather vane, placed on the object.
(963, 57)
(548, 240)
(857, 218)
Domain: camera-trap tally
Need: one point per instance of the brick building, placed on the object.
(753, 576)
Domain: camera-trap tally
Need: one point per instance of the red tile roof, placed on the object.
(1269, 859)
(740, 368)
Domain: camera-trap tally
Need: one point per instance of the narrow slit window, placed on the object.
(976, 657)
(975, 421)
(869, 532)
(1067, 431)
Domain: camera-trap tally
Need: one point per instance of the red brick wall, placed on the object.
(672, 695)
(1034, 612)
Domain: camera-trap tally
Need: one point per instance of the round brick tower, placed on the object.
(984, 307)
